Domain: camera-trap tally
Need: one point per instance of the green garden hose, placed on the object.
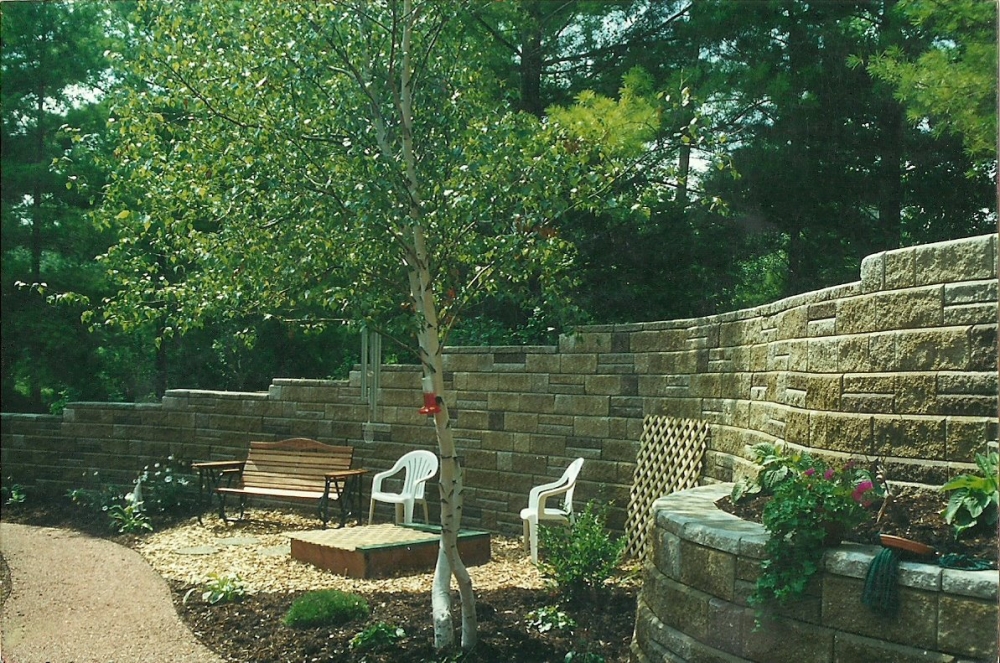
(881, 593)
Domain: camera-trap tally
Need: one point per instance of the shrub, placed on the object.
(582, 556)
(168, 486)
(325, 607)
(377, 636)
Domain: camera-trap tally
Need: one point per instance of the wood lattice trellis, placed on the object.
(670, 459)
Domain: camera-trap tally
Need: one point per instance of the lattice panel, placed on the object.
(670, 459)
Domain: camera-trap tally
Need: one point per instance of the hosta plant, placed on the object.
(974, 497)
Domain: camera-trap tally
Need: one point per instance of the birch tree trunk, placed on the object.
(449, 562)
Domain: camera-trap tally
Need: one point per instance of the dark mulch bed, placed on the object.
(913, 514)
(250, 630)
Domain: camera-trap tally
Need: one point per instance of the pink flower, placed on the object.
(811, 471)
(829, 474)
(859, 492)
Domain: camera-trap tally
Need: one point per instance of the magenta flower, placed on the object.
(860, 491)
(829, 474)
(811, 471)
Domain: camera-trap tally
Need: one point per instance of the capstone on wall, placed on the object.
(901, 365)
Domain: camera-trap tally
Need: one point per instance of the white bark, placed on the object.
(449, 562)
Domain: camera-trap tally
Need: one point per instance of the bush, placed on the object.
(582, 556)
(223, 588)
(168, 487)
(326, 607)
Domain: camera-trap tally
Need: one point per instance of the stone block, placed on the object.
(882, 354)
(969, 314)
(857, 315)
(585, 342)
(598, 427)
(597, 406)
(909, 309)
(847, 433)
(911, 437)
(915, 393)
(603, 385)
(968, 259)
(783, 639)
(967, 627)
(900, 269)
(578, 364)
(708, 570)
(964, 438)
(658, 341)
(853, 354)
(983, 348)
(873, 272)
(849, 648)
(915, 625)
(945, 349)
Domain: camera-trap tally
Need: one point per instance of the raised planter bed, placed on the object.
(703, 566)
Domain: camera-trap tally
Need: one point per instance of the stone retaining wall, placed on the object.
(693, 603)
(900, 364)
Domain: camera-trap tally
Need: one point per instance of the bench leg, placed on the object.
(222, 506)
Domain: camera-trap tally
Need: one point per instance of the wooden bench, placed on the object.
(297, 469)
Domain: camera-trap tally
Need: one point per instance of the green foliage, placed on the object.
(129, 518)
(812, 506)
(326, 607)
(952, 81)
(584, 657)
(582, 556)
(14, 494)
(548, 618)
(168, 486)
(98, 497)
(377, 636)
(223, 588)
(974, 497)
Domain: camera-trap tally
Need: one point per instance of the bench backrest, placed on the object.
(295, 464)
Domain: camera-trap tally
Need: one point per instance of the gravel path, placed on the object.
(77, 599)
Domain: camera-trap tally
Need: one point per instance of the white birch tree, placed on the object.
(339, 161)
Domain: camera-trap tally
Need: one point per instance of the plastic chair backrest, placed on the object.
(569, 476)
(420, 465)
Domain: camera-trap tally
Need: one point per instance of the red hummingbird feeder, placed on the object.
(431, 405)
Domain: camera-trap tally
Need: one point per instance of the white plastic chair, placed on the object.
(537, 511)
(419, 466)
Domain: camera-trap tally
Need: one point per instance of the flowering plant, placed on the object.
(813, 505)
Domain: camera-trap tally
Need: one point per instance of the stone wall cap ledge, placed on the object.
(977, 584)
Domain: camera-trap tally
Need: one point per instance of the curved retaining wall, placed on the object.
(693, 606)
(900, 364)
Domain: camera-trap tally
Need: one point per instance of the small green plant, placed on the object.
(974, 498)
(99, 498)
(377, 636)
(547, 618)
(775, 467)
(326, 607)
(222, 588)
(583, 556)
(16, 494)
(583, 657)
(129, 518)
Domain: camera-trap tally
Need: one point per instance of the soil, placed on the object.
(250, 629)
(913, 514)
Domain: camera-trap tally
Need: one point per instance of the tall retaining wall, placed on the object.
(901, 364)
